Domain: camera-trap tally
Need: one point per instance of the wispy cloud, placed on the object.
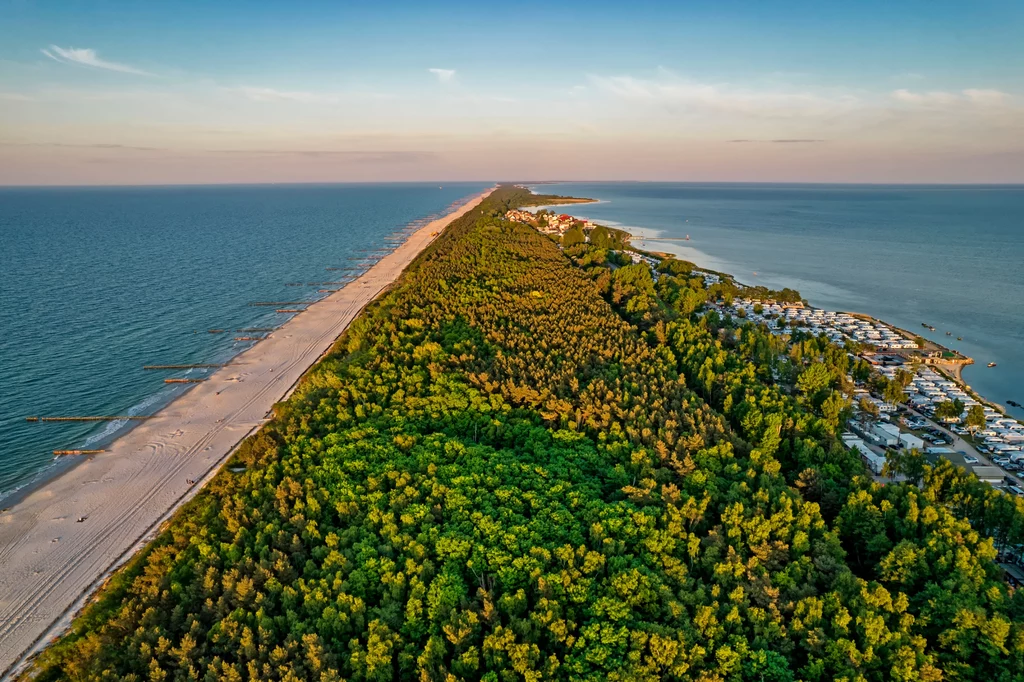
(941, 98)
(88, 57)
(15, 97)
(443, 75)
(782, 141)
(260, 94)
(71, 145)
(370, 156)
(723, 98)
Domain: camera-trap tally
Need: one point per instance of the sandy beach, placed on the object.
(50, 563)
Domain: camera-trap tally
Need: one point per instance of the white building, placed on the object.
(911, 442)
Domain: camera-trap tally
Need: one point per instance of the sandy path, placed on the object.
(50, 563)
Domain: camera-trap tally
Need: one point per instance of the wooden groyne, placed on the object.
(61, 453)
(184, 381)
(290, 310)
(114, 418)
(249, 338)
(217, 331)
(205, 366)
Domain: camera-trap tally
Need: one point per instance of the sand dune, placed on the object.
(50, 563)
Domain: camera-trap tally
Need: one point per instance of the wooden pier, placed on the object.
(290, 310)
(61, 453)
(206, 366)
(184, 381)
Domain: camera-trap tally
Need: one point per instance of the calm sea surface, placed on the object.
(949, 256)
(97, 282)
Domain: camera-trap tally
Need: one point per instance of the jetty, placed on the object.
(61, 453)
(184, 381)
(200, 366)
(290, 310)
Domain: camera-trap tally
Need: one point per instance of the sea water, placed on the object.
(948, 256)
(97, 282)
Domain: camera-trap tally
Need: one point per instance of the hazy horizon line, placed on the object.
(512, 182)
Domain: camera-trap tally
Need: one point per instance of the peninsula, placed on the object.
(546, 455)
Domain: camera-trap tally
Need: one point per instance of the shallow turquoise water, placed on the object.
(97, 282)
(952, 256)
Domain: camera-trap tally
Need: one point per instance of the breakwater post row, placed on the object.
(359, 263)
(89, 419)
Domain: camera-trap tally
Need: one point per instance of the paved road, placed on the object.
(961, 445)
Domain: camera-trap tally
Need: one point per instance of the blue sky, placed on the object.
(115, 92)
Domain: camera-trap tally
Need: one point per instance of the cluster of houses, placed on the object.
(928, 389)
(1002, 437)
(517, 216)
(837, 326)
(882, 434)
(549, 223)
(650, 261)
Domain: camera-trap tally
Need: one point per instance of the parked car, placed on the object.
(970, 460)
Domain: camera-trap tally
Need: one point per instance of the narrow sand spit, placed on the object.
(50, 563)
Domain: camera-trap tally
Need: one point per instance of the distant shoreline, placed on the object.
(952, 369)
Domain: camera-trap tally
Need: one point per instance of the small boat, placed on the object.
(949, 333)
(931, 328)
(991, 364)
(924, 324)
(959, 338)
(687, 237)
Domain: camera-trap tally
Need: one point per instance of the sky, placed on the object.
(100, 92)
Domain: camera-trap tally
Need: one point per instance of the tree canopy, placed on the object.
(520, 464)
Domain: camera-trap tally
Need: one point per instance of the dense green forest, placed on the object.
(529, 464)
